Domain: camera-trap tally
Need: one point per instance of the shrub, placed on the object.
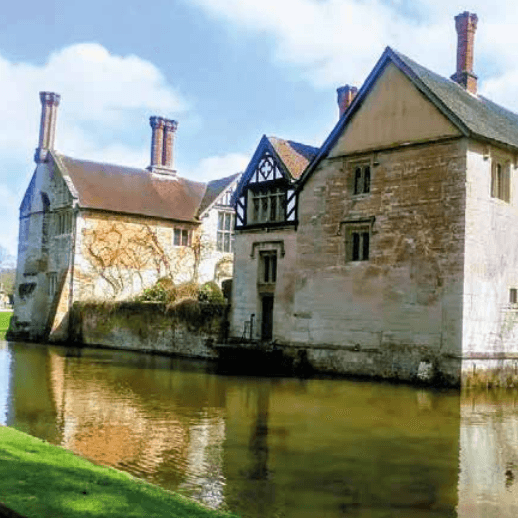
(211, 292)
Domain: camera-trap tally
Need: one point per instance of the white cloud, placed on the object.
(9, 217)
(335, 42)
(105, 103)
(215, 167)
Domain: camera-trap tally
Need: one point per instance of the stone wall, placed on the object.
(491, 260)
(146, 327)
(409, 292)
(246, 286)
(44, 253)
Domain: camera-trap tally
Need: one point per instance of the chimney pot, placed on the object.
(49, 107)
(345, 96)
(466, 26)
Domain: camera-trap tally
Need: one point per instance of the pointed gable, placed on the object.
(470, 115)
(393, 112)
(265, 194)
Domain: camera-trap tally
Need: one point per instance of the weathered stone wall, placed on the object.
(491, 262)
(409, 292)
(144, 327)
(118, 256)
(40, 254)
(246, 289)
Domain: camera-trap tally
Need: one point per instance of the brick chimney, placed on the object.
(346, 94)
(157, 141)
(466, 25)
(162, 145)
(170, 127)
(49, 109)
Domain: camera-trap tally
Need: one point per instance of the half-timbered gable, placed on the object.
(266, 196)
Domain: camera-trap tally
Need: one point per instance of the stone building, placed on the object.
(95, 231)
(401, 259)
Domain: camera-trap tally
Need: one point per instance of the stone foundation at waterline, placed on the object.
(189, 329)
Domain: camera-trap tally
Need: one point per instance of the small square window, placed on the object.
(513, 296)
(182, 237)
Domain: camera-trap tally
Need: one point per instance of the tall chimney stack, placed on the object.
(466, 25)
(162, 145)
(157, 141)
(49, 109)
(170, 127)
(346, 95)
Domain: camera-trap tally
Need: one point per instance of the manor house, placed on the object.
(96, 231)
(394, 252)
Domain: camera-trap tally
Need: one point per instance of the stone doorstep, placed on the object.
(5, 512)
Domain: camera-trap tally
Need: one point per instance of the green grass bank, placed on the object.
(39, 480)
(5, 317)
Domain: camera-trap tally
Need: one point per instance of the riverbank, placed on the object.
(39, 480)
(5, 317)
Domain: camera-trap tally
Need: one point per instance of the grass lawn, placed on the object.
(5, 317)
(39, 480)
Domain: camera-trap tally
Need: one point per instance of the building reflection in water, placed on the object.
(270, 447)
(5, 361)
(488, 474)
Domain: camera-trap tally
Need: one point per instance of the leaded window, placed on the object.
(268, 205)
(362, 179)
(225, 238)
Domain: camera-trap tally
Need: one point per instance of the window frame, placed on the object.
(267, 200)
(501, 180)
(361, 177)
(224, 235)
(357, 244)
(268, 267)
(184, 236)
(62, 223)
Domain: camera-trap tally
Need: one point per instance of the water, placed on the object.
(270, 447)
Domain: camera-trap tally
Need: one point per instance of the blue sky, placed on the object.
(228, 70)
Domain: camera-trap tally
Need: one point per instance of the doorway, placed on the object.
(267, 317)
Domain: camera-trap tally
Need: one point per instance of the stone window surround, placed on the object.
(347, 229)
(267, 249)
(366, 164)
(500, 177)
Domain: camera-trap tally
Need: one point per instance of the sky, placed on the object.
(228, 71)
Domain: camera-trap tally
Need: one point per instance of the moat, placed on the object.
(270, 447)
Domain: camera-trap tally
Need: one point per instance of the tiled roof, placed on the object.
(132, 191)
(479, 115)
(294, 155)
(214, 189)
